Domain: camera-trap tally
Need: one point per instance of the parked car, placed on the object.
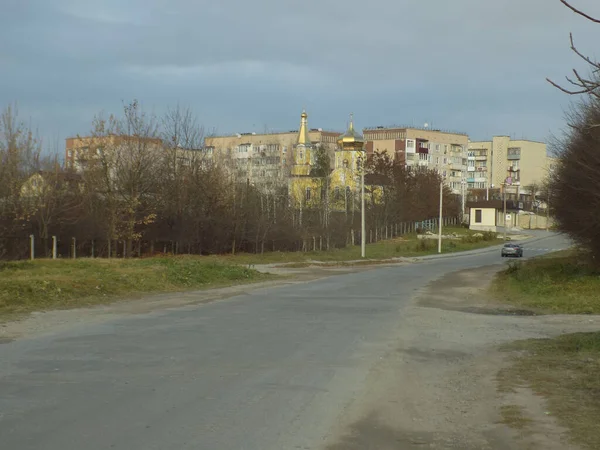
(511, 249)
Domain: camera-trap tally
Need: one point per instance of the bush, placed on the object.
(489, 236)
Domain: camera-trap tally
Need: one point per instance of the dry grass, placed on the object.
(566, 372)
(45, 284)
(514, 417)
(405, 246)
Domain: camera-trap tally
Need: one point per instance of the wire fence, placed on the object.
(62, 247)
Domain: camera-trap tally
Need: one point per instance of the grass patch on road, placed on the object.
(27, 286)
(559, 283)
(406, 246)
(565, 371)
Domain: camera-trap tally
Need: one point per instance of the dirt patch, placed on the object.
(468, 291)
(439, 385)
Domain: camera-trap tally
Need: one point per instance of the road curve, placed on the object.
(272, 369)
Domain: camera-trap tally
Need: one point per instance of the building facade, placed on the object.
(490, 163)
(83, 151)
(263, 158)
(443, 151)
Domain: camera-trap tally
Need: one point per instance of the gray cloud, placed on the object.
(472, 65)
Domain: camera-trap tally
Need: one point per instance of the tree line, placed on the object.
(574, 190)
(148, 186)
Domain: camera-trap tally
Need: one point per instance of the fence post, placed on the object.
(320, 243)
(53, 247)
(376, 234)
(370, 236)
(314, 243)
(352, 236)
(74, 248)
(31, 247)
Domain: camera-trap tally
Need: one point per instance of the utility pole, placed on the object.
(363, 237)
(548, 211)
(504, 195)
(440, 224)
(463, 188)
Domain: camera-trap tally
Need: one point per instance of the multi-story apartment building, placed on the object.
(523, 162)
(444, 151)
(262, 158)
(80, 152)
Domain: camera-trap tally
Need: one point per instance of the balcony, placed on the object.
(513, 157)
(481, 158)
(470, 169)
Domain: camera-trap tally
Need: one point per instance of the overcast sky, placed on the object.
(477, 66)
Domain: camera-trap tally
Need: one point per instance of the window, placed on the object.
(445, 160)
(283, 160)
(69, 153)
(301, 155)
(323, 193)
(410, 144)
(437, 160)
(437, 147)
(336, 193)
(307, 194)
(478, 216)
(345, 163)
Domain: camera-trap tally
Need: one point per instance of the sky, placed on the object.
(476, 66)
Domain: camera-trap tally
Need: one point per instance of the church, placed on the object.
(309, 187)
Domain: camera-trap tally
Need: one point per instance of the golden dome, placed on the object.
(351, 136)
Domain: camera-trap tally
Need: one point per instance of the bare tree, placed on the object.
(19, 158)
(581, 84)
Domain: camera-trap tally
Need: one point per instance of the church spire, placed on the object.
(303, 138)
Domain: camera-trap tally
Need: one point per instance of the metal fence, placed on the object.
(60, 247)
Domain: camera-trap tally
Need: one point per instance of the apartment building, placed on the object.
(444, 151)
(522, 162)
(261, 158)
(80, 152)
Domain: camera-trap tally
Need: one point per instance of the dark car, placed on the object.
(512, 250)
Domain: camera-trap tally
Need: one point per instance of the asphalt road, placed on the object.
(272, 369)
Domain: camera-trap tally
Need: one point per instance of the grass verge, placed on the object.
(27, 286)
(565, 371)
(406, 246)
(560, 283)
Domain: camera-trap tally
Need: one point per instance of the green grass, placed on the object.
(561, 283)
(566, 372)
(405, 246)
(46, 284)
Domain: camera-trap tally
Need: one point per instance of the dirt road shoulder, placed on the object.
(439, 386)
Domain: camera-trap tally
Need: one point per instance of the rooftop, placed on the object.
(412, 127)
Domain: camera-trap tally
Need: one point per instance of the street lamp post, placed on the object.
(504, 195)
(440, 219)
(463, 188)
(363, 237)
